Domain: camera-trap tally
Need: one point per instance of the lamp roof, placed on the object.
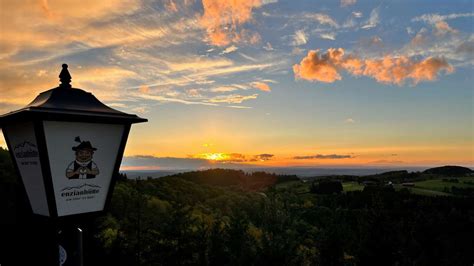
(71, 104)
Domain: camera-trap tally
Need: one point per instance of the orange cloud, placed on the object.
(233, 157)
(322, 68)
(442, 27)
(20, 86)
(144, 89)
(223, 19)
(261, 86)
(389, 69)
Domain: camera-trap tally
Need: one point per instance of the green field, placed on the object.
(440, 185)
(352, 186)
(432, 187)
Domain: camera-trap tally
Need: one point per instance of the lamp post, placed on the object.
(67, 146)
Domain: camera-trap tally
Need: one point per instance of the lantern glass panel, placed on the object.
(22, 141)
(82, 158)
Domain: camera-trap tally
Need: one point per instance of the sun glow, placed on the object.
(214, 156)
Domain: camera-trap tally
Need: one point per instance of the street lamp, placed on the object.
(67, 146)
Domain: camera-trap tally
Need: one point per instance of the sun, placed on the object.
(214, 156)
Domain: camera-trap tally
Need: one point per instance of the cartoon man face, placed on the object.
(84, 155)
(82, 167)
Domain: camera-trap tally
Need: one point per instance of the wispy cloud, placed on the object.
(171, 100)
(229, 49)
(373, 19)
(232, 98)
(442, 28)
(299, 38)
(248, 57)
(435, 17)
(345, 3)
(234, 157)
(323, 156)
(328, 36)
(261, 86)
(268, 47)
(357, 14)
(323, 19)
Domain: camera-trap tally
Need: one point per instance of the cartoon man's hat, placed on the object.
(83, 145)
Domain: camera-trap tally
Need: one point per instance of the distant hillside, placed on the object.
(449, 170)
(235, 178)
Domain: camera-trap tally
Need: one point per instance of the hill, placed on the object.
(236, 178)
(449, 170)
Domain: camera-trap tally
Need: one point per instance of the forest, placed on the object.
(229, 217)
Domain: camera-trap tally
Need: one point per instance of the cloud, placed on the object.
(268, 47)
(229, 49)
(373, 19)
(386, 162)
(328, 36)
(190, 70)
(388, 69)
(232, 98)
(349, 121)
(248, 57)
(45, 24)
(261, 86)
(323, 156)
(144, 89)
(223, 89)
(171, 6)
(420, 38)
(28, 82)
(322, 19)
(264, 157)
(321, 68)
(435, 17)
(357, 14)
(160, 98)
(442, 27)
(466, 47)
(226, 158)
(345, 3)
(223, 21)
(299, 38)
(141, 109)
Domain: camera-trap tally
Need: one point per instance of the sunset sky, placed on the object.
(258, 82)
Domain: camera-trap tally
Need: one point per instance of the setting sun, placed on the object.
(214, 156)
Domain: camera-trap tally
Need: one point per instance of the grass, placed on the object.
(352, 186)
(296, 186)
(421, 191)
(432, 187)
(441, 186)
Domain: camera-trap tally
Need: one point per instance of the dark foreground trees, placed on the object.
(177, 221)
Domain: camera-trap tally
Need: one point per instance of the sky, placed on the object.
(274, 83)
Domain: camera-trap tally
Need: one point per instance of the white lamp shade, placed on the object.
(24, 146)
(81, 176)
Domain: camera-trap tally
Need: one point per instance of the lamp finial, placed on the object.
(65, 77)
